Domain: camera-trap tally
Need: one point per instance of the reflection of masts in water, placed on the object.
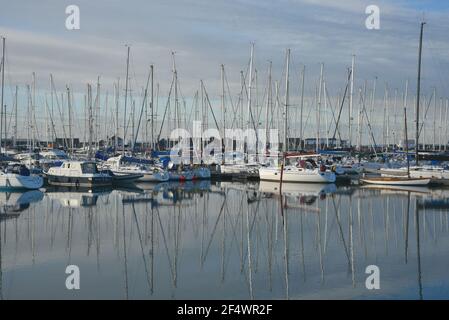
(248, 231)
(270, 233)
(340, 229)
(418, 251)
(351, 241)
(141, 245)
(152, 251)
(303, 263)
(172, 270)
(1, 265)
(320, 249)
(213, 232)
(124, 252)
(285, 226)
(69, 234)
(406, 226)
(223, 247)
(373, 234)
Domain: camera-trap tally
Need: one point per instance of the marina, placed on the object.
(228, 150)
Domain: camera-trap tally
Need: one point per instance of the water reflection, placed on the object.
(225, 240)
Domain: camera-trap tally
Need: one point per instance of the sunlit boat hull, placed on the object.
(13, 181)
(295, 175)
(397, 181)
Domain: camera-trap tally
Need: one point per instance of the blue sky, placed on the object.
(204, 34)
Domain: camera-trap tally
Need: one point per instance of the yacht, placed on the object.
(78, 174)
(147, 173)
(17, 176)
(305, 171)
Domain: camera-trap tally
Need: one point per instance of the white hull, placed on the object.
(147, 176)
(12, 181)
(397, 181)
(436, 174)
(293, 174)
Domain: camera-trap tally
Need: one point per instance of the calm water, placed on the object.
(225, 241)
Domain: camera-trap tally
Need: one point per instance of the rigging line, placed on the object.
(210, 106)
(342, 104)
(166, 108)
(53, 88)
(141, 110)
(333, 116)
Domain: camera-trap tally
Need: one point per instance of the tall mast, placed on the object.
(70, 121)
(434, 118)
(405, 98)
(269, 107)
(418, 92)
(117, 126)
(15, 117)
(325, 115)
(223, 110)
(89, 105)
(351, 95)
(3, 89)
(152, 106)
(126, 99)
(250, 82)
(287, 70)
(319, 109)
(302, 105)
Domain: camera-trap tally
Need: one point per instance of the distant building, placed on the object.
(410, 144)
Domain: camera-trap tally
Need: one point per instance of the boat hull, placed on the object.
(397, 181)
(12, 181)
(314, 176)
(66, 181)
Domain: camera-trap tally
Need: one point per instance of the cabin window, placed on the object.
(89, 167)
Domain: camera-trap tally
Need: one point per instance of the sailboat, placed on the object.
(145, 173)
(406, 180)
(304, 171)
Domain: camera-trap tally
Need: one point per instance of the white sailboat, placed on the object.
(297, 174)
(148, 173)
(16, 181)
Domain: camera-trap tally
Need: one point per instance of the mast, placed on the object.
(325, 115)
(319, 109)
(126, 99)
(15, 118)
(152, 106)
(70, 121)
(351, 95)
(269, 102)
(3, 89)
(406, 143)
(418, 92)
(287, 69)
(250, 81)
(117, 96)
(223, 110)
(89, 105)
(302, 106)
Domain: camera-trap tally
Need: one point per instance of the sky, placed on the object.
(204, 34)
